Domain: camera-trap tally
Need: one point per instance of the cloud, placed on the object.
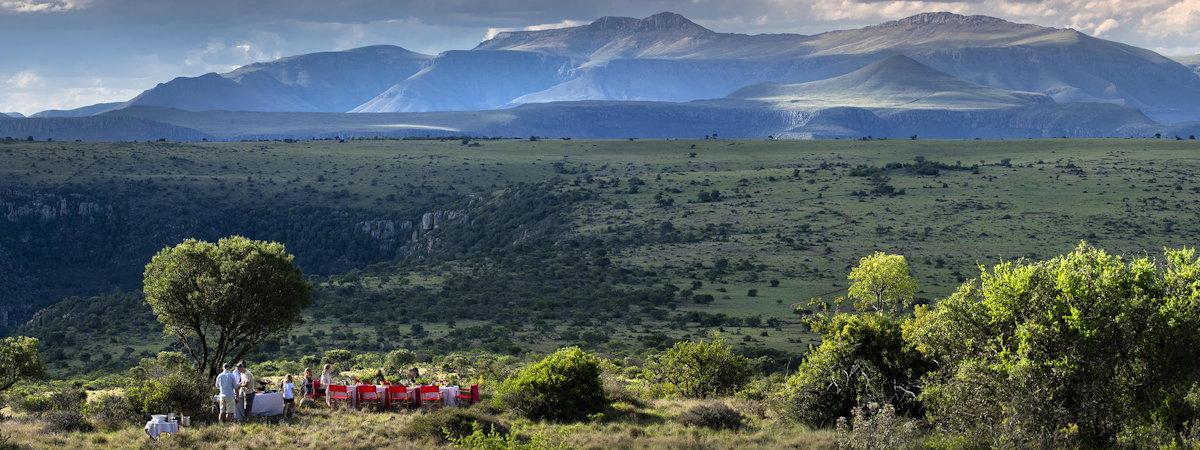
(37, 6)
(492, 32)
(220, 55)
(24, 79)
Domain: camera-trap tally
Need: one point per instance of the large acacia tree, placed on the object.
(220, 300)
(19, 359)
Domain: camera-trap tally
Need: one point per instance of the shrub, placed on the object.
(399, 360)
(1070, 352)
(862, 358)
(714, 415)
(63, 421)
(564, 386)
(445, 425)
(701, 369)
(877, 427)
(340, 358)
(110, 412)
(167, 383)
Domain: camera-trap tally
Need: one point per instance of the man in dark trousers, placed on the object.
(247, 389)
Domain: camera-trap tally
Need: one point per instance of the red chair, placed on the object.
(430, 395)
(367, 394)
(338, 393)
(471, 397)
(397, 396)
(316, 390)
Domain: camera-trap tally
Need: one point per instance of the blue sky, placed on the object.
(70, 53)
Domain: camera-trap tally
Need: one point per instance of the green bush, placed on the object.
(399, 360)
(339, 358)
(167, 383)
(564, 386)
(110, 412)
(701, 369)
(714, 415)
(877, 427)
(444, 425)
(61, 421)
(862, 358)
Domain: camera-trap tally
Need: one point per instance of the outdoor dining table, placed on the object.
(449, 395)
(156, 427)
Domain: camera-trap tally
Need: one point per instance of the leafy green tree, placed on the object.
(701, 369)
(564, 387)
(1079, 350)
(220, 300)
(398, 360)
(167, 383)
(862, 359)
(341, 359)
(882, 282)
(19, 359)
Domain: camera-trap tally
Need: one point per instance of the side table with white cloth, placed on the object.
(159, 425)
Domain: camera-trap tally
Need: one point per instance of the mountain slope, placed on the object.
(85, 111)
(471, 80)
(328, 81)
(896, 82)
(15, 115)
(1192, 62)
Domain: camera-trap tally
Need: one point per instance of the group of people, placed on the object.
(236, 390)
(236, 387)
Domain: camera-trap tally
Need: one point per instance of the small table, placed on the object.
(155, 428)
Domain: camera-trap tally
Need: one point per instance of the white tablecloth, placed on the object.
(155, 428)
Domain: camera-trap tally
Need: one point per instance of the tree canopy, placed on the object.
(1086, 348)
(881, 282)
(220, 300)
(19, 359)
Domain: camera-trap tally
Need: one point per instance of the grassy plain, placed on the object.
(788, 211)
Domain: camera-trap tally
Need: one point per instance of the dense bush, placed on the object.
(399, 360)
(167, 383)
(862, 358)
(60, 421)
(700, 369)
(877, 426)
(446, 424)
(1075, 351)
(714, 415)
(564, 386)
(110, 412)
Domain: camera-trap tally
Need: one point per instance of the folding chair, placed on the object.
(471, 396)
(338, 394)
(367, 394)
(398, 396)
(431, 395)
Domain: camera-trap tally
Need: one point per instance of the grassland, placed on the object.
(793, 212)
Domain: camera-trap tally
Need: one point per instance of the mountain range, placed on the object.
(923, 72)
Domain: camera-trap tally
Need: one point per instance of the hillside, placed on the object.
(328, 81)
(897, 82)
(96, 128)
(1192, 61)
(85, 111)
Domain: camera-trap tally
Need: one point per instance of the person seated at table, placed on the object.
(289, 396)
(380, 380)
(413, 375)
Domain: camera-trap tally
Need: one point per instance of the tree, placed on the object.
(19, 359)
(1077, 351)
(881, 282)
(701, 369)
(220, 300)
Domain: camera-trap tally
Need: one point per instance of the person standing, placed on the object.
(307, 391)
(226, 383)
(326, 380)
(289, 396)
(247, 387)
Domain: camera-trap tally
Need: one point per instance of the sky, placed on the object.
(59, 54)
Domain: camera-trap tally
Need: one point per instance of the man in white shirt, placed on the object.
(226, 383)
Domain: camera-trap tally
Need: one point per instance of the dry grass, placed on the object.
(653, 426)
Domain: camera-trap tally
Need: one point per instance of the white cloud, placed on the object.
(219, 55)
(35, 6)
(24, 79)
(492, 32)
